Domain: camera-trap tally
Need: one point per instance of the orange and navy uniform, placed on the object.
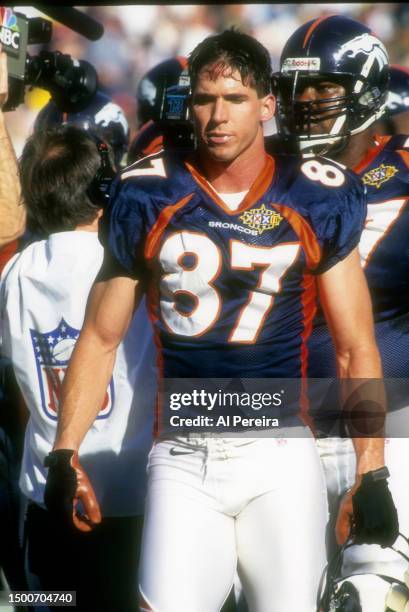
(148, 140)
(384, 250)
(231, 293)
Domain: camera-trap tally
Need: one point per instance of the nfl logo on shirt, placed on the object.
(52, 352)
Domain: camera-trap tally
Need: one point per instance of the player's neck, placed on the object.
(237, 175)
(356, 149)
(90, 227)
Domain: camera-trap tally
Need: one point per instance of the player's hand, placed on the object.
(67, 485)
(4, 87)
(367, 514)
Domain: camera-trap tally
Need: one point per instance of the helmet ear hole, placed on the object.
(367, 99)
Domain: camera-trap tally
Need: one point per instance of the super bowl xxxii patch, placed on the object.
(379, 175)
(261, 219)
(52, 352)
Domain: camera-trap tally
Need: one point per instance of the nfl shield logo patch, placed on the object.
(52, 352)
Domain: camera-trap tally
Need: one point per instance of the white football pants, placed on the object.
(217, 504)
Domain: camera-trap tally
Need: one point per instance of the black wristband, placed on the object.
(375, 475)
(58, 457)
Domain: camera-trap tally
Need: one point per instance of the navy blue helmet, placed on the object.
(101, 116)
(152, 84)
(340, 50)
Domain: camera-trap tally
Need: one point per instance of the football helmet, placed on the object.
(361, 591)
(153, 83)
(101, 116)
(398, 97)
(340, 50)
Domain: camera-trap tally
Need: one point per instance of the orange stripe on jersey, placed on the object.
(309, 306)
(7, 252)
(304, 232)
(381, 142)
(182, 61)
(144, 127)
(159, 227)
(405, 156)
(155, 146)
(258, 188)
(313, 27)
(153, 305)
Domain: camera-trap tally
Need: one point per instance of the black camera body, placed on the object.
(174, 114)
(71, 83)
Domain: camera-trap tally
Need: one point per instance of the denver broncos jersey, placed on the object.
(384, 250)
(148, 140)
(231, 293)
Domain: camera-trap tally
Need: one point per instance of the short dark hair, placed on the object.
(57, 167)
(238, 51)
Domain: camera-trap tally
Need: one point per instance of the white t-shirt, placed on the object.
(43, 294)
(233, 200)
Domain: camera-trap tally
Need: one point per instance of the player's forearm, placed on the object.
(364, 404)
(84, 388)
(359, 361)
(12, 212)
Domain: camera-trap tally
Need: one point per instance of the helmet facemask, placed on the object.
(351, 113)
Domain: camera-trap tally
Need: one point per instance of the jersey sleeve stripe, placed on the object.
(155, 146)
(304, 232)
(309, 309)
(405, 156)
(154, 236)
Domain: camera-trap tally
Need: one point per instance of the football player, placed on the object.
(229, 245)
(396, 117)
(332, 88)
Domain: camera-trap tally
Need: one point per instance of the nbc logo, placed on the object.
(9, 30)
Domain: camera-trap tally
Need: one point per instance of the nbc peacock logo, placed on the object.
(9, 30)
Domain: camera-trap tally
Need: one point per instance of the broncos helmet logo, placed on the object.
(367, 44)
(111, 113)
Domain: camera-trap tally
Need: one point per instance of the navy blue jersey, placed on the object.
(148, 140)
(232, 293)
(384, 249)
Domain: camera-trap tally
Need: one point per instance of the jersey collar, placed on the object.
(379, 144)
(256, 191)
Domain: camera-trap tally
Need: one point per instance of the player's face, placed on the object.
(227, 113)
(323, 89)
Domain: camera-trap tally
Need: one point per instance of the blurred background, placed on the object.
(138, 37)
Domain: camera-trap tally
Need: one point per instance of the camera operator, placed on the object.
(43, 297)
(155, 131)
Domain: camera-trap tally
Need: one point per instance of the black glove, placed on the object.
(375, 520)
(67, 484)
